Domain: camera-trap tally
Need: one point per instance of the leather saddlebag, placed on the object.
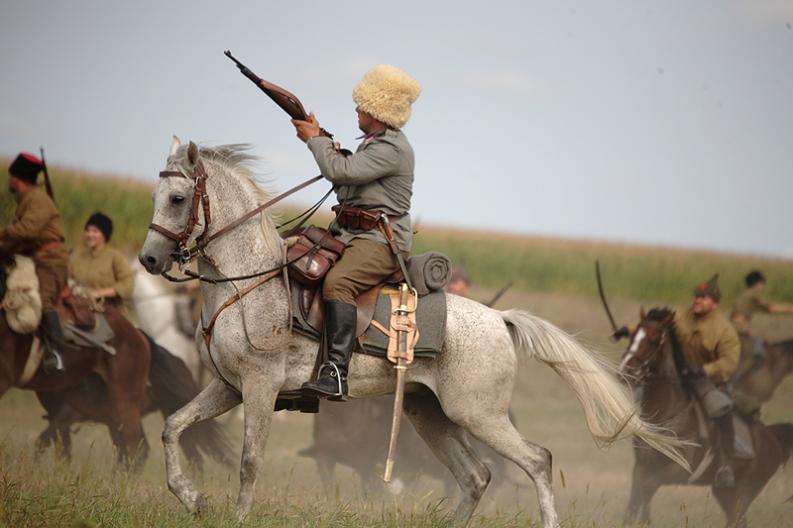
(312, 256)
(81, 313)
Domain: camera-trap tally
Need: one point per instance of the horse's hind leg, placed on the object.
(215, 399)
(449, 442)
(497, 431)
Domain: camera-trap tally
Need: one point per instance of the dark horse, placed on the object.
(756, 379)
(125, 374)
(170, 387)
(652, 361)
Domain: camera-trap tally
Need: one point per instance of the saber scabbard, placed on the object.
(399, 393)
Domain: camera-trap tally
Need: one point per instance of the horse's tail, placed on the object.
(172, 387)
(608, 405)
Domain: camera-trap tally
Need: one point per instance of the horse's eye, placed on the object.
(177, 199)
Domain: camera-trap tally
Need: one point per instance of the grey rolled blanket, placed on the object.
(429, 271)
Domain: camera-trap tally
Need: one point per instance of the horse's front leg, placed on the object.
(258, 395)
(215, 399)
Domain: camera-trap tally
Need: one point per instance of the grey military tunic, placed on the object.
(377, 177)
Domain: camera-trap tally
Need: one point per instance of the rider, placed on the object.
(37, 231)
(460, 283)
(103, 270)
(751, 302)
(378, 178)
(711, 350)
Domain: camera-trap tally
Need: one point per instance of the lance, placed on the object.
(47, 184)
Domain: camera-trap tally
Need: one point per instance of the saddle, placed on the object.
(744, 443)
(83, 325)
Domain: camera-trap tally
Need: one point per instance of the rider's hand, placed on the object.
(693, 372)
(620, 333)
(307, 129)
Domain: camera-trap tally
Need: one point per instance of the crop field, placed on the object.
(552, 278)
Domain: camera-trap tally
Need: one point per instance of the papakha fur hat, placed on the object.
(386, 93)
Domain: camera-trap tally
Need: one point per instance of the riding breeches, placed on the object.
(365, 264)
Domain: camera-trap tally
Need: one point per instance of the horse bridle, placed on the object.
(200, 197)
(642, 372)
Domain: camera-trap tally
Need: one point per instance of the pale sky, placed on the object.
(657, 122)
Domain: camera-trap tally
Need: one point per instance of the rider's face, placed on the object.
(704, 304)
(94, 238)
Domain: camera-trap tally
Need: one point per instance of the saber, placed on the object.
(603, 297)
(498, 295)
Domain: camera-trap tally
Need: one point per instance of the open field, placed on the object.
(553, 278)
(591, 485)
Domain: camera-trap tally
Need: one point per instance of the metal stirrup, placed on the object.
(335, 370)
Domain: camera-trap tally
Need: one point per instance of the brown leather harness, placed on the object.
(186, 254)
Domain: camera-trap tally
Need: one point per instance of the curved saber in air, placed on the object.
(603, 297)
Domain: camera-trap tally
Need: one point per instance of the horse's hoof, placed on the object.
(201, 505)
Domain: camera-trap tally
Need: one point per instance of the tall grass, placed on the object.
(533, 263)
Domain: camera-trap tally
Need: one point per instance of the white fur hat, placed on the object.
(386, 93)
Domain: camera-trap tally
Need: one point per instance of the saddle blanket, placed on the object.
(101, 333)
(430, 317)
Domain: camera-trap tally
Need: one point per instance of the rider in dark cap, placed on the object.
(37, 232)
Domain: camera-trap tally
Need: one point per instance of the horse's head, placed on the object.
(178, 215)
(643, 353)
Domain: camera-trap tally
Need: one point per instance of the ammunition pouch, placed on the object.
(356, 219)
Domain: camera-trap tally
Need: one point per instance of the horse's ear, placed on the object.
(175, 144)
(642, 315)
(192, 153)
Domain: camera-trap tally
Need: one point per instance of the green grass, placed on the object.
(532, 263)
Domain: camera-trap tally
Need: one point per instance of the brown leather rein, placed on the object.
(200, 197)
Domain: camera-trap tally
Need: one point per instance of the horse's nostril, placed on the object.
(151, 260)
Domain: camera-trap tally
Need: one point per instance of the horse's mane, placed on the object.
(234, 159)
(658, 314)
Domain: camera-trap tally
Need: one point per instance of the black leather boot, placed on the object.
(53, 342)
(340, 323)
(725, 477)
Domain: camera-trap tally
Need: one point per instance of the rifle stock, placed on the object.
(285, 99)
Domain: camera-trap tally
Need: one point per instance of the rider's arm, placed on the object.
(778, 308)
(34, 217)
(378, 159)
(728, 352)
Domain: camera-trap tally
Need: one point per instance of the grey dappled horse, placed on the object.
(467, 387)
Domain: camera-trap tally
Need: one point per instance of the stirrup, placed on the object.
(334, 373)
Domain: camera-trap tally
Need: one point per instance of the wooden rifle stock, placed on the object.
(288, 102)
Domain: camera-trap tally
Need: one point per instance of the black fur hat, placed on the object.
(101, 222)
(26, 167)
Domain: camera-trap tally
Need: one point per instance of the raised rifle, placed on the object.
(47, 184)
(288, 102)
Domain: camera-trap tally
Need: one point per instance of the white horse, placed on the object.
(155, 306)
(254, 355)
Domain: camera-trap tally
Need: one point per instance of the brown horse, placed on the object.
(169, 388)
(756, 379)
(653, 361)
(125, 375)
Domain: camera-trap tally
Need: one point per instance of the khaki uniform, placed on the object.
(37, 232)
(747, 305)
(103, 268)
(709, 342)
(378, 177)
